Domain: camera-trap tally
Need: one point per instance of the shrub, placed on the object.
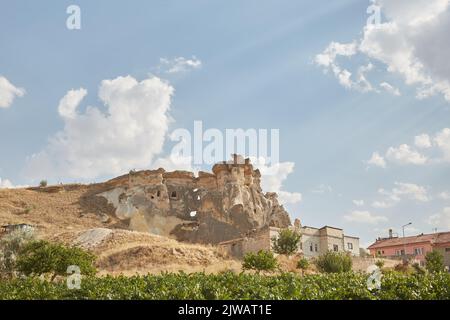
(10, 245)
(303, 264)
(379, 263)
(44, 258)
(403, 267)
(434, 262)
(286, 242)
(334, 262)
(261, 261)
(418, 269)
(43, 183)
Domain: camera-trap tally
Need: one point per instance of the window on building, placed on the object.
(350, 246)
(378, 252)
(316, 247)
(335, 247)
(311, 247)
(173, 195)
(158, 194)
(418, 251)
(447, 249)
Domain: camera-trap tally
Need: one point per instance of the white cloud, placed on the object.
(273, 177)
(69, 103)
(445, 195)
(377, 160)
(171, 163)
(358, 203)
(400, 191)
(442, 141)
(179, 64)
(8, 92)
(334, 49)
(422, 141)
(383, 204)
(405, 155)
(441, 219)
(364, 217)
(412, 43)
(5, 184)
(127, 135)
(390, 89)
(328, 60)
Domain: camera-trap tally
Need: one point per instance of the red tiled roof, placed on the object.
(435, 238)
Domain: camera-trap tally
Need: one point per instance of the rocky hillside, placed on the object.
(72, 214)
(150, 221)
(209, 208)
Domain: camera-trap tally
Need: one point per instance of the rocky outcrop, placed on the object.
(209, 208)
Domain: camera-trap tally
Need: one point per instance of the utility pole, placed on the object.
(404, 244)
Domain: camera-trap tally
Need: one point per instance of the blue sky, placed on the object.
(259, 69)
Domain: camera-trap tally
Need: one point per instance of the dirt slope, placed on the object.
(71, 214)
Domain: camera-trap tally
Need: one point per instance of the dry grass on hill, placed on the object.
(71, 214)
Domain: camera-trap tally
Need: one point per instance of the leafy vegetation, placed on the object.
(303, 264)
(286, 242)
(434, 261)
(43, 183)
(37, 258)
(334, 262)
(260, 261)
(10, 246)
(336, 286)
(379, 263)
(44, 258)
(418, 269)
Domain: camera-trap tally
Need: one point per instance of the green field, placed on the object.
(344, 286)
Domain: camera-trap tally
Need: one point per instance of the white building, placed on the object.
(316, 242)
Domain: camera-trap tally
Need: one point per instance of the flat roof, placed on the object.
(433, 238)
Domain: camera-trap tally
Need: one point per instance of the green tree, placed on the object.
(286, 242)
(379, 263)
(260, 261)
(43, 183)
(303, 264)
(418, 269)
(10, 245)
(334, 262)
(434, 262)
(44, 258)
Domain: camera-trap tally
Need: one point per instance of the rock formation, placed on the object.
(209, 208)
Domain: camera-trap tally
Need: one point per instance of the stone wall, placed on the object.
(363, 263)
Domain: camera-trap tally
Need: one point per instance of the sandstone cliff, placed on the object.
(210, 208)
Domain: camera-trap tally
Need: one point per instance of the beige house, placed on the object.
(316, 242)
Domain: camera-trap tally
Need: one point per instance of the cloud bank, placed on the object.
(412, 43)
(427, 150)
(126, 135)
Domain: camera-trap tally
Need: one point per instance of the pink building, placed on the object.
(415, 247)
